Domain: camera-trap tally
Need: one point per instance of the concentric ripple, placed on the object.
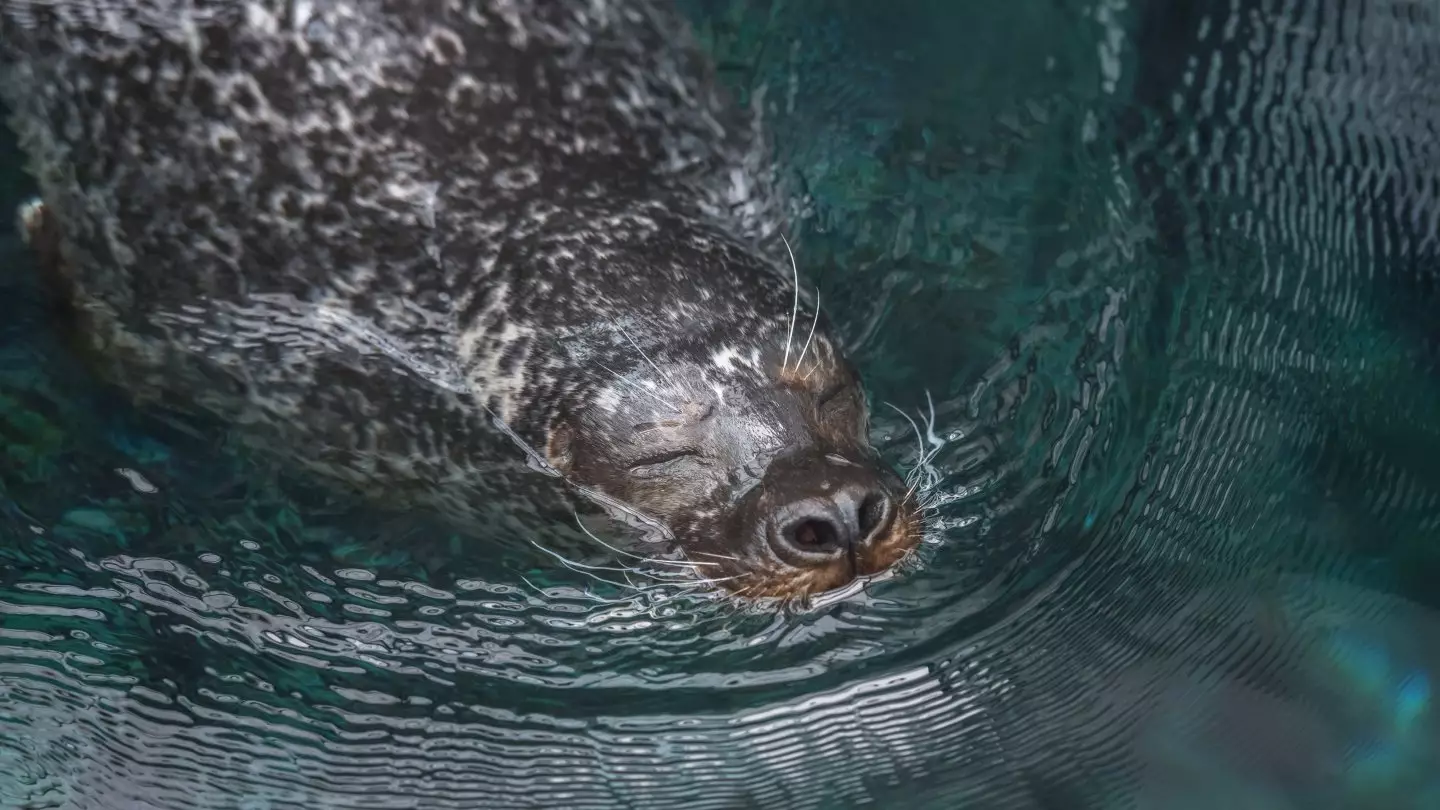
(1145, 295)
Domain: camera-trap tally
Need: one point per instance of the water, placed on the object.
(1166, 274)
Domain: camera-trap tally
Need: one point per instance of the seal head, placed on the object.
(760, 467)
(693, 384)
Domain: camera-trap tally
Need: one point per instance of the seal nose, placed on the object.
(820, 527)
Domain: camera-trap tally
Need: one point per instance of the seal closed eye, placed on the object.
(371, 233)
(669, 455)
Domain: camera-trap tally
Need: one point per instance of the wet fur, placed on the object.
(383, 235)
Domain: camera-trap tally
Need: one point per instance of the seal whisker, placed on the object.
(741, 594)
(667, 574)
(642, 389)
(587, 570)
(577, 565)
(923, 472)
(795, 311)
(923, 480)
(662, 374)
(717, 580)
(680, 565)
(935, 441)
(562, 558)
(533, 586)
(691, 587)
(680, 594)
(591, 596)
(685, 563)
(919, 439)
(813, 323)
(911, 491)
(914, 479)
(719, 556)
(657, 561)
(582, 568)
(627, 585)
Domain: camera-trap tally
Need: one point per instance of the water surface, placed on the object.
(1148, 287)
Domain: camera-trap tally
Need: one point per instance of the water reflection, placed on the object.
(1147, 288)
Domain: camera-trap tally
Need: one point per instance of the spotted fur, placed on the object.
(390, 236)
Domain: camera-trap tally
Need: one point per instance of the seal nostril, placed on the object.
(844, 519)
(873, 511)
(814, 535)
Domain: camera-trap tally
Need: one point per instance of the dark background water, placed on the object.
(1166, 272)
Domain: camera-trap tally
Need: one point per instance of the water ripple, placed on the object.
(1157, 336)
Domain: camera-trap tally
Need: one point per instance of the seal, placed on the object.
(391, 239)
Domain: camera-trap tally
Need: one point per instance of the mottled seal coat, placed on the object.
(373, 231)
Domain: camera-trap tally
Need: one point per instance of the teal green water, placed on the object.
(1155, 283)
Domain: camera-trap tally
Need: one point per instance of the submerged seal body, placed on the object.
(372, 231)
